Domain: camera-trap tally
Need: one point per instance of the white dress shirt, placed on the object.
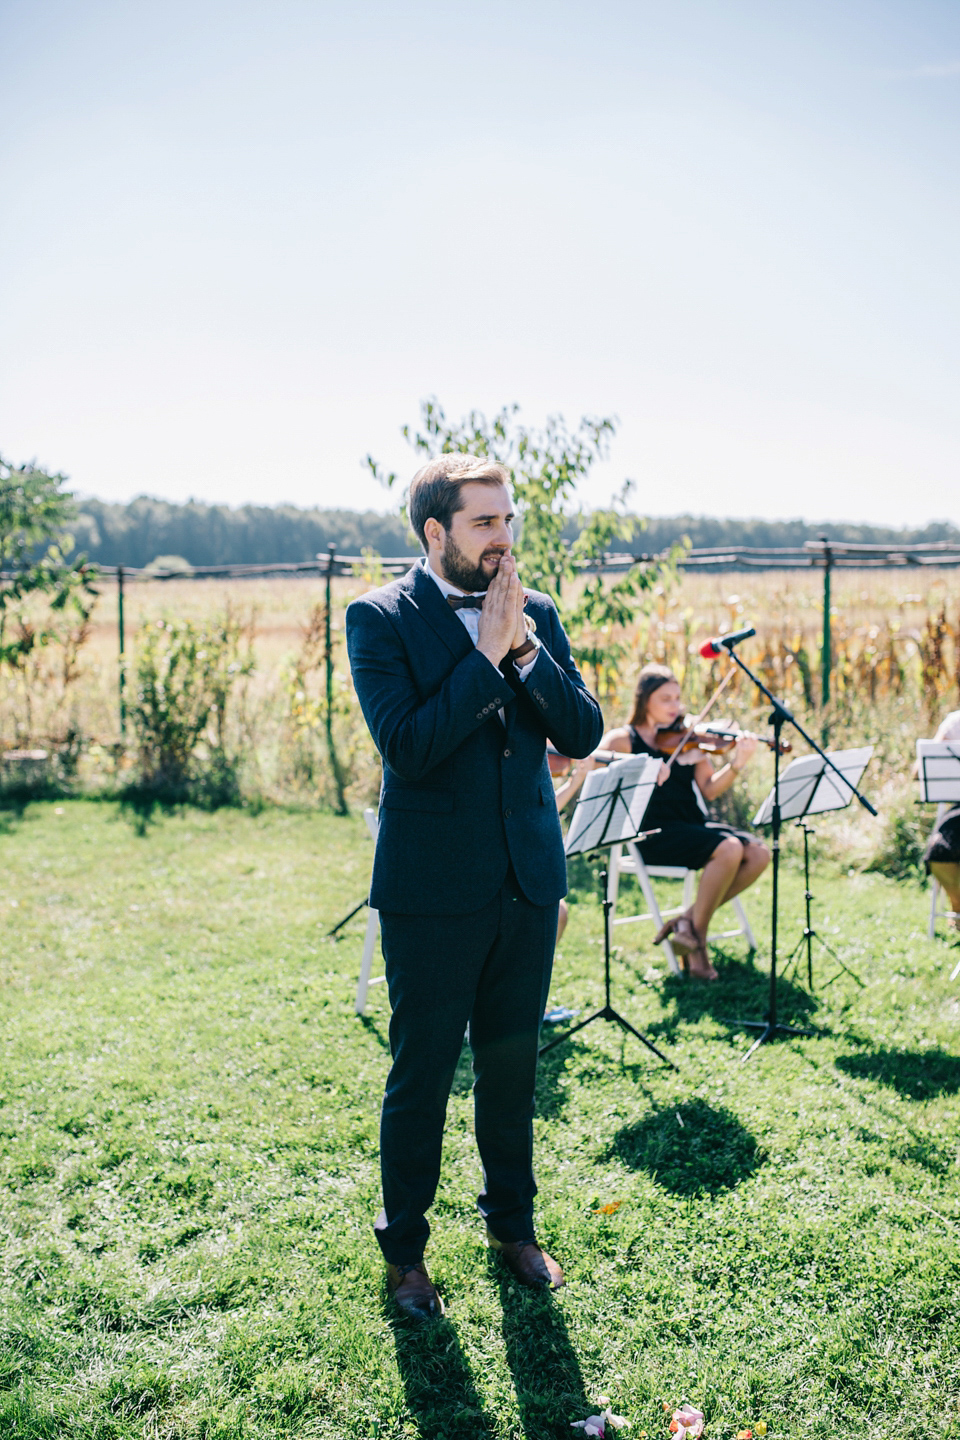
(470, 619)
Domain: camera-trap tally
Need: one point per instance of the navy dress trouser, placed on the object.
(492, 969)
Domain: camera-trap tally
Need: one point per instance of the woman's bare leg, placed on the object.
(719, 874)
(562, 919)
(756, 858)
(948, 873)
(731, 868)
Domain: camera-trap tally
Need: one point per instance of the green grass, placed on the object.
(189, 1165)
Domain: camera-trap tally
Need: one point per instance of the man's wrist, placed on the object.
(524, 651)
(491, 653)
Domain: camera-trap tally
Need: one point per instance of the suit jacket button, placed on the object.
(507, 754)
(508, 813)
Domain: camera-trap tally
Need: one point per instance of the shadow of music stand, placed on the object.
(811, 786)
(938, 770)
(609, 812)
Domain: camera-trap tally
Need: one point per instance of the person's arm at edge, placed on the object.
(570, 715)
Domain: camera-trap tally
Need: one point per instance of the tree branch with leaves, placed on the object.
(546, 467)
(35, 515)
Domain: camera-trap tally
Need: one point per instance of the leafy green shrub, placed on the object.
(185, 676)
(906, 827)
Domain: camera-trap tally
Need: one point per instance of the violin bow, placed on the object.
(704, 712)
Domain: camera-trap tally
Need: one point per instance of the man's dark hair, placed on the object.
(435, 489)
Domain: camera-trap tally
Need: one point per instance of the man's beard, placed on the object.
(459, 571)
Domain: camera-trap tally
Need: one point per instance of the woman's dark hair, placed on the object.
(651, 677)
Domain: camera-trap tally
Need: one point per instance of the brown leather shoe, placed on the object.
(414, 1291)
(531, 1265)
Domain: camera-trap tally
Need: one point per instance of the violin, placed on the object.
(708, 739)
(701, 737)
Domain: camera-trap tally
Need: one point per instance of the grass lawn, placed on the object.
(188, 1142)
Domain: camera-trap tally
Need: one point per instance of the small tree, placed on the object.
(546, 467)
(44, 600)
(35, 513)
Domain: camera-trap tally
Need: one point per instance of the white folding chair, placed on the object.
(633, 864)
(370, 939)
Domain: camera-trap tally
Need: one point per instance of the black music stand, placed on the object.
(609, 812)
(808, 787)
(770, 1027)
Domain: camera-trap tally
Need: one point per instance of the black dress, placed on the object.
(944, 844)
(686, 836)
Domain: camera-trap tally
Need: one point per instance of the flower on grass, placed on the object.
(761, 1428)
(610, 1209)
(597, 1424)
(745, 1434)
(687, 1423)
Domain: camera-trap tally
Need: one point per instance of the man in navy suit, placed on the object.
(462, 678)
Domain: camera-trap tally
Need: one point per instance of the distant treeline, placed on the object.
(141, 531)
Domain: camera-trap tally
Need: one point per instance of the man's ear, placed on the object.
(434, 532)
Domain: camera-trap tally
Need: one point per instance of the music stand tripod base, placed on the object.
(809, 933)
(606, 1011)
(609, 812)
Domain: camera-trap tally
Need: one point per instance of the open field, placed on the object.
(188, 1141)
(881, 620)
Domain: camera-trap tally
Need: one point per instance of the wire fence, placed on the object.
(822, 554)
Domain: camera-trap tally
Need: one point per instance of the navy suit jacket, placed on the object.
(462, 795)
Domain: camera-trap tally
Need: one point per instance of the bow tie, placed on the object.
(466, 602)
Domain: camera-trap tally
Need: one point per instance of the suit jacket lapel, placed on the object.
(425, 596)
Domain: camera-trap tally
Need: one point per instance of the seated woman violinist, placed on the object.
(730, 859)
(942, 854)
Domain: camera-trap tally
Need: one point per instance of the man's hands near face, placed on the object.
(502, 626)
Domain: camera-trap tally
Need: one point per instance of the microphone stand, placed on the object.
(770, 1027)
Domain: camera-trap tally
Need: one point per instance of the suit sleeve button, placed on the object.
(508, 813)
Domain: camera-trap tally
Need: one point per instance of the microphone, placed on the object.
(724, 642)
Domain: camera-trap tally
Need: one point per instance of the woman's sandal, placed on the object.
(665, 930)
(680, 932)
(685, 938)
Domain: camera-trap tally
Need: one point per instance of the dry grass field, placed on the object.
(895, 643)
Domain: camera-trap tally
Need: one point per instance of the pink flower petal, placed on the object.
(689, 1421)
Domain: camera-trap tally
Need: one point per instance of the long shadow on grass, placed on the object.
(11, 812)
(915, 1075)
(690, 1149)
(439, 1388)
(741, 993)
(543, 1363)
(372, 1028)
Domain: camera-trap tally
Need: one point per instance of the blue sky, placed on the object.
(242, 241)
